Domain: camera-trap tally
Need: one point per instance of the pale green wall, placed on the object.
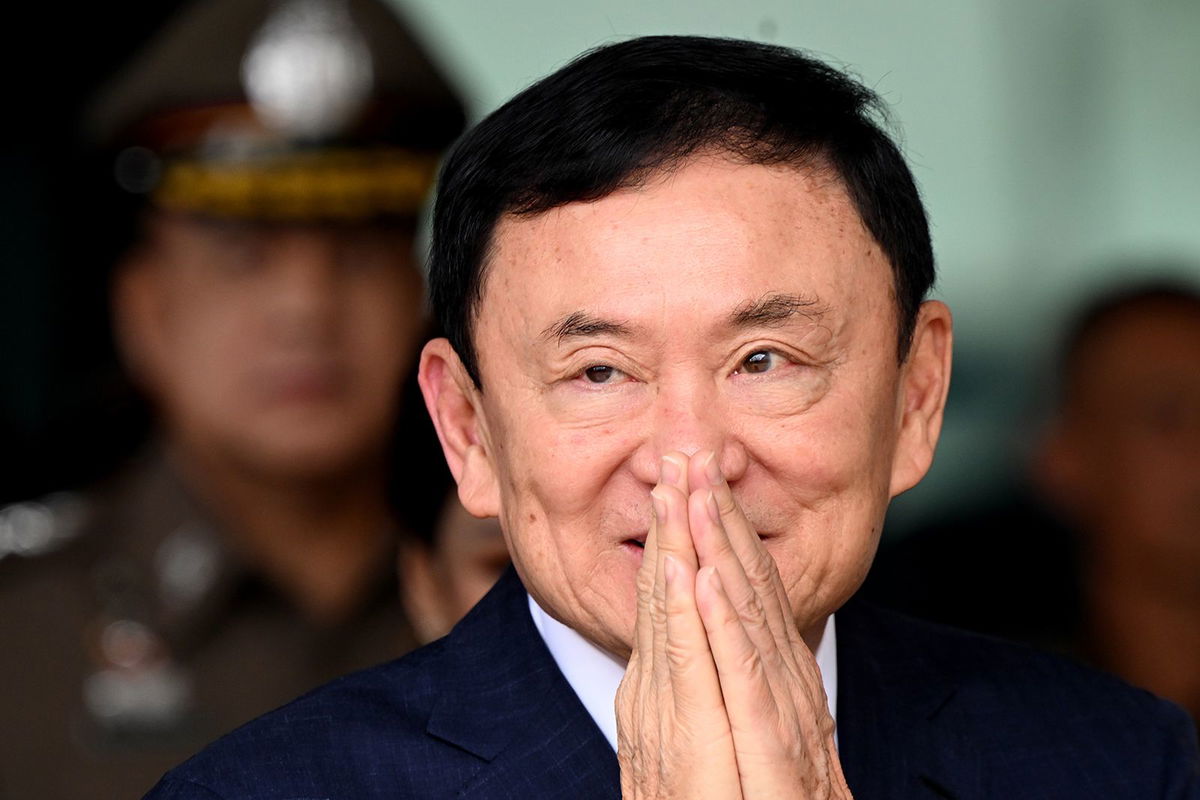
(1049, 138)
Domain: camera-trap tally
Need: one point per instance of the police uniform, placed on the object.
(134, 636)
(133, 633)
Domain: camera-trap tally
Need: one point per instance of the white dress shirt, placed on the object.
(595, 675)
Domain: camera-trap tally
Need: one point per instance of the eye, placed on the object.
(760, 361)
(602, 373)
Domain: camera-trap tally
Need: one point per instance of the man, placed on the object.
(1113, 514)
(1121, 462)
(269, 310)
(687, 365)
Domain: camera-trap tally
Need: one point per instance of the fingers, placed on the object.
(725, 540)
(772, 688)
(673, 727)
(670, 509)
(744, 540)
(673, 539)
(714, 684)
(643, 630)
(780, 744)
(768, 677)
(764, 627)
(747, 693)
(695, 687)
(651, 594)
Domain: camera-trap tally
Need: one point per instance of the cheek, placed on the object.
(565, 500)
(824, 478)
(552, 486)
(210, 340)
(378, 350)
(1145, 481)
(837, 450)
(566, 470)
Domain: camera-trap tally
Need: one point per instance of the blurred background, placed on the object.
(1057, 150)
(1055, 144)
(1056, 147)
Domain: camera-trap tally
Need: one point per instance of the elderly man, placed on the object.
(688, 363)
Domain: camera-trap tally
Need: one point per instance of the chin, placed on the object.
(305, 455)
(616, 639)
(615, 622)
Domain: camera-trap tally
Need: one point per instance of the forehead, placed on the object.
(1139, 349)
(708, 233)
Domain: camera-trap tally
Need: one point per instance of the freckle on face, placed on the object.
(673, 259)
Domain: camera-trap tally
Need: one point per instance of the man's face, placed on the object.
(742, 309)
(279, 347)
(1129, 444)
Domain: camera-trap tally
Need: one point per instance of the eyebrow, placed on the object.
(583, 324)
(776, 309)
(771, 310)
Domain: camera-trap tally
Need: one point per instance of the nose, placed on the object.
(688, 417)
(303, 266)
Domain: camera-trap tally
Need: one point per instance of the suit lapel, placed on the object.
(896, 713)
(507, 703)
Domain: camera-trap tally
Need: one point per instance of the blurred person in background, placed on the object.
(446, 569)
(1121, 463)
(1100, 558)
(269, 310)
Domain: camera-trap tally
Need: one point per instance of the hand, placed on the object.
(673, 734)
(722, 698)
(775, 699)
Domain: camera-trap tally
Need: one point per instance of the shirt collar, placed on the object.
(595, 674)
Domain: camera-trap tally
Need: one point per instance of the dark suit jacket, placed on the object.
(924, 712)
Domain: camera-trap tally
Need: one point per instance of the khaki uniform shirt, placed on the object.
(131, 637)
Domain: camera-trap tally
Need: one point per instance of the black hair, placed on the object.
(619, 114)
(1115, 303)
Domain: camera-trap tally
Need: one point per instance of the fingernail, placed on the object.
(714, 580)
(669, 471)
(660, 505)
(670, 569)
(712, 470)
(714, 513)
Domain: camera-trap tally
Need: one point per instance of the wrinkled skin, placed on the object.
(742, 311)
(722, 698)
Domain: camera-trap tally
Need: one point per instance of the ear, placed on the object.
(136, 299)
(456, 408)
(924, 384)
